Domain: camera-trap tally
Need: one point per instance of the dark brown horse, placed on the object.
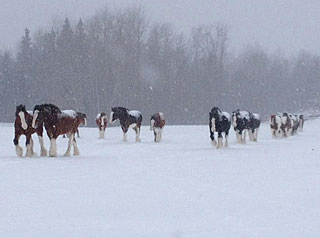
(102, 121)
(157, 123)
(57, 123)
(23, 126)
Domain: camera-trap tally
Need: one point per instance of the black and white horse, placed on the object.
(240, 122)
(157, 122)
(219, 122)
(294, 124)
(128, 119)
(253, 126)
(276, 126)
(301, 122)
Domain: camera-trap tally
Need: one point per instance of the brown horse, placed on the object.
(101, 121)
(57, 123)
(22, 126)
(157, 123)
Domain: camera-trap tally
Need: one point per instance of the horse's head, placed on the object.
(235, 116)
(20, 112)
(82, 117)
(118, 113)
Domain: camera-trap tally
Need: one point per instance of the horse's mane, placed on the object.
(50, 108)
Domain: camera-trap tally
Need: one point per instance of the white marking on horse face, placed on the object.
(111, 116)
(23, 121)
(234, 121)
(102, 121)
(35, 116)
(151, 125)
(213, 127)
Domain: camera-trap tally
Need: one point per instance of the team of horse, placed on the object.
(242, 122)
(58, 122)
(66, 122)
(286, 124)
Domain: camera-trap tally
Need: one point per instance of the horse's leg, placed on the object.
(137, 129)
(238, 135)
(53, 145)
(78, 133)
(213, 141)
(29, 145)
(101, 133)
(67, 153)
(125, 130)
(226, 144)
(43, 151)
(75, 147)
(220, 144)
(255, 135)
(19, 150)
(155, 135)
(250, 132)
(244, 136)
(32, 144)
(160, 133)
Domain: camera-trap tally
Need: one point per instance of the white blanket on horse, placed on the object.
(135, 113)
(68, 113)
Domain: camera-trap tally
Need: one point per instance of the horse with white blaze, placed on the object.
(128, 119)
(102, 121)
(157, 122)
(240, 122)
(23, 126)
(220, 122)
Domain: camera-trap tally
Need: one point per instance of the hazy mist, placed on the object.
(287, 24)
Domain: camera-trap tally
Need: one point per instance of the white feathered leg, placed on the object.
(138, 135)
(219, 142)
(67, 153)
(125, 139)
(43, 151)
(19, 150)
(226, 144)
(101, 134)
(53, 148)
(75, 148)
(29, 150)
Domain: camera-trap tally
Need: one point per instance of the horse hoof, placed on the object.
(138, 140)
(76, 153)
(43, 153)
(66, 154)
(214, 143)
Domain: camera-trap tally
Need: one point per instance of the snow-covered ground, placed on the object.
(179, 188)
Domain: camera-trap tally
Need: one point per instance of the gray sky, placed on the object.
(288, 24)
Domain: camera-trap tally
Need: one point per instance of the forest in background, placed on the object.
(122, 58)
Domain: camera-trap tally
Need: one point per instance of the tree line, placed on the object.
(119, 58)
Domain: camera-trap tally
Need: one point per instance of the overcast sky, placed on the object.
(288, 24)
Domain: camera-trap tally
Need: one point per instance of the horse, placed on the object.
(127, 119)
(294, 124)
(22, 126)
(301, 122)
(253, 126)
(101, 121)
(57, 123)
(240, 122)
(83, 121)
(286, 124)
(275, 125)
(219, 122)
(157, 122)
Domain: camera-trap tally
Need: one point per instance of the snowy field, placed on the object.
(179, 188)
